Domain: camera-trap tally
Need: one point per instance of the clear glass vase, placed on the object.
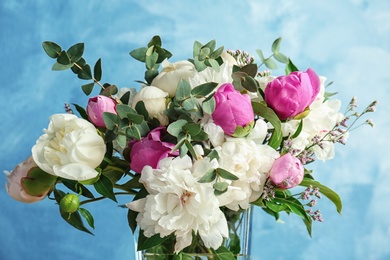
(237, 246)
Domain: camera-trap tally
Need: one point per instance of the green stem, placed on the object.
(101, 198)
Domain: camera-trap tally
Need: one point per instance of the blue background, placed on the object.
(347, 41)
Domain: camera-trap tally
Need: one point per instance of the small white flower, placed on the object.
(177, 203)
(71, 148)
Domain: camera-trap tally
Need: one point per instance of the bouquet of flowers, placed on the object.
(202, 141)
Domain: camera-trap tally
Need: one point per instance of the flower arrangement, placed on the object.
(203, 140)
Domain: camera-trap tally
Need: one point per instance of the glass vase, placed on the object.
(237, 246)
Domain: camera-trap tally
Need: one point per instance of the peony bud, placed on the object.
(27, 183)
(233, 111)
(287, 171)
(97, 106)
(292, 94)
(171, 74)
(155, 101)
(150, 150)
(70, 203)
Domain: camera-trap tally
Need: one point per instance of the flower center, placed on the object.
(185, 197)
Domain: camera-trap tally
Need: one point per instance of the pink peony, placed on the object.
(150, 150)
(18, 190)
(290, 95)
(97, 106)
(233, 111)
(287, 171)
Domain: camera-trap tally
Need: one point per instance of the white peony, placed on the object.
(171, 74)
(250, 162)
(322, 118)
(71, 148)
(155, 101)
(177, 203)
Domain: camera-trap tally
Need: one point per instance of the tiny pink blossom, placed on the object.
(290, 95)
(232, 109)
(97, 106)
(287, 171)
(150, 150)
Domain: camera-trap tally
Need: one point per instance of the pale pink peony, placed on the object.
(287, 171)
(14, 186)
(97, 106)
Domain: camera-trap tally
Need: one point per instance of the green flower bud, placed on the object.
(70, 203)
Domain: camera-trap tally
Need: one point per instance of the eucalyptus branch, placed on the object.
(94, 80)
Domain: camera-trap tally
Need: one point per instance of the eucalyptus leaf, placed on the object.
(183, 90)
(260, 54)
(110, 120)
(87, 88)
(133, 133)
(85, 72)
(63, 58)
(139, 54)
(280, 57)
(203, 90)
(221, 186)
(150, 75)
(214, 64)
(249, 84)
(151, 60)
(270, 64)
(97, 70)
(276, 45)
(58, 66)
(209, 176)
(226, 174)
(156, 40)
(76, 51)
(208, 105)
(176, 127)
(52, 49)
(191, 128)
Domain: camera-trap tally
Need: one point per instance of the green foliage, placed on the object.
(207, 56)
(72, 59)
(105, 187)
(268, 114)
(152, 56)
(74, 219)
(276, 54)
